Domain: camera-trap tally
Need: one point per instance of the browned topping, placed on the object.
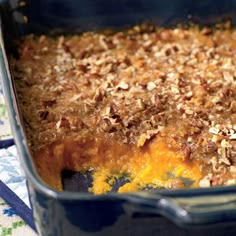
(204, 183)
(134, 86)
(49, 103)
(43, 114)
(147, 136)
(187, 152)
(63, 123)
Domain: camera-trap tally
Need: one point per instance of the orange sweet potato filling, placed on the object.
(154, 165)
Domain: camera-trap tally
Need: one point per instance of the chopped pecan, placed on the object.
(211, 146)
(233, 106)
(140, 105)
(63, 123)
(227, 92)
(207, 31)
(74, 87)
(123, 85)
(93, 75)
(156, 101)
(99, 95)
(231, 182)
(217, 180)
(225, 152)
(204, 183)
(82, 68)
(49, 103)
(151, 86)
(187, 152)
(43, 114)
(107, 125)
(147, 136)
(229, 77)
(181, 82)
(232, 136)
(232, 169)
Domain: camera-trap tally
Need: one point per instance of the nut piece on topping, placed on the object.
(123, 85)
(232, 169)
(43, 115)
(214, 130)
(225, 152)
(63, 123)
(228, 76)
(231, 182)
(187, 152)
(151, 86)
(204, 183)
(49, 103)
(106, 125)
(147, 136)
(232, 136)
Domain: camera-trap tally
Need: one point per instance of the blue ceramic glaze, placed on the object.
(200, 211)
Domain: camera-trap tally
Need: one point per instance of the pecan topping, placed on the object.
(147, 136)
(43, 114)
(63, 123)
(174, 84)
(123, 85)
(204, 183)
(49, 103)
(151, 86)
(106, 125)
(187, 152)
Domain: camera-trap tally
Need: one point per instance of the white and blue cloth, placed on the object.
(13, 188)
(12, 175)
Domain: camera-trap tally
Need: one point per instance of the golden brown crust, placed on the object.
(132, 86)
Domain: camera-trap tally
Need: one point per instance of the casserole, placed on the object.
(153, 107)
(63, 213)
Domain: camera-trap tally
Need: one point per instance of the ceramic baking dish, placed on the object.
(189, 211)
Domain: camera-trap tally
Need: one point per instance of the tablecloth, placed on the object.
(12, 183)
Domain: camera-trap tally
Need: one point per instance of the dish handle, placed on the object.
(189, 210)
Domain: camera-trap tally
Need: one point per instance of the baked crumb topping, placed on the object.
(132, 87)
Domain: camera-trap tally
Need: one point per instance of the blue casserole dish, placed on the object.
(179, 212)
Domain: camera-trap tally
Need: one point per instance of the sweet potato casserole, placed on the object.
(155, 106)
